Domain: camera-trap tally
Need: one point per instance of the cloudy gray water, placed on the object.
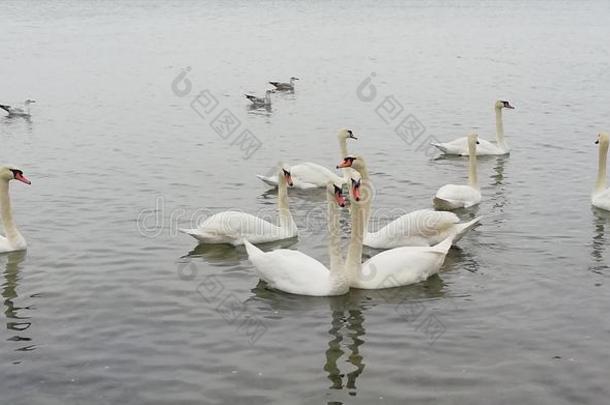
(103, 309)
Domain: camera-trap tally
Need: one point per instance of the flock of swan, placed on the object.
(414, 245)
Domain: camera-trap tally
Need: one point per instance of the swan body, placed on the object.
(453, 196)
(423, 227)
(297, 273)
(309, 175)
(13, 241)
(232, 227)
(285, 86)
(601, 194)
(485, 148)
(260, 101)
(16, 111)
(392, 268)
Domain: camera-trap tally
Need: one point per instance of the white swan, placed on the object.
(233, 227)
(297, 273)
(424, 227)
(601, 195)
(452, 196)
(13, 240)
(392, 268)
(500, 147)
(308, 175)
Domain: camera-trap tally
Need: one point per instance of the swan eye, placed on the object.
(478, 143)
(337, 190)
(16, 172)
(597, 142)
(286, 172)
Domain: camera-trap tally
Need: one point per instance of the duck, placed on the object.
(500, 147)
(261, 101)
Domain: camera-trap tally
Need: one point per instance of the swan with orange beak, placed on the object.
(13, 241)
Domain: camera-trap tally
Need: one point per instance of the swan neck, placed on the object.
(353, 260)
(12, 234)
(601, 183)
(500, 129)
(286, 220)
(343, 147)
(472, 163)
(334, 236)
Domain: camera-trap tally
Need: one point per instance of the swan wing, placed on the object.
(233, 226)
(602, 200)
(457, 196)
(312, 174)
(400, 266)
(460, 147)
(418, 228)
(291, 271)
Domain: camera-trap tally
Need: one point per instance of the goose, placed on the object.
(16, 111)
(423, 227)
(309, 175)
(295, 272)
(260, 101)
(460, 145)
(13, 241)
(601, 195)
(285, 86)
(391, 268)
(233, 227)
(452, 196)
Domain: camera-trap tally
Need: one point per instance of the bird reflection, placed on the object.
(16, 322)
(347, 331)
(601, 219)
(226, 255)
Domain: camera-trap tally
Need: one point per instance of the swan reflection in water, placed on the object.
(599, 244)
(16, 320)
(344, 361)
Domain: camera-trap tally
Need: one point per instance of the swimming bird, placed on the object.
(423, 227)
(232, 227)
(295, 272)
(13, 240)
(17, 111)
(452, 196)
(392, 268)
(261, 101)
(601, 195)
(309, 175)
(499, 147)
(285, 86)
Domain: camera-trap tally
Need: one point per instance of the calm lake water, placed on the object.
(111, 305)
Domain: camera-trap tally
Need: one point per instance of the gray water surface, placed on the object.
(111, 304)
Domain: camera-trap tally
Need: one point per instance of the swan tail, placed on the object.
(191, 232)
(267, 180)
(444, 246)
(252, 250)
(440, 147)
(462, 229)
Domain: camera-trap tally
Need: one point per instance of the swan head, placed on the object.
(356, 162)
(269, 91)
(603, 138)
(335, 191)
(284, 171)
(500, 104)
(473, 137)
(10, 172)
(346, 134)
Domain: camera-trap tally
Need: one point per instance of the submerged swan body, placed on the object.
(297, 273)
(500, 147)
(424, 227)
(453, 196)
(232, 227)
(13, 241)
(309, 175)
(601, 194)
